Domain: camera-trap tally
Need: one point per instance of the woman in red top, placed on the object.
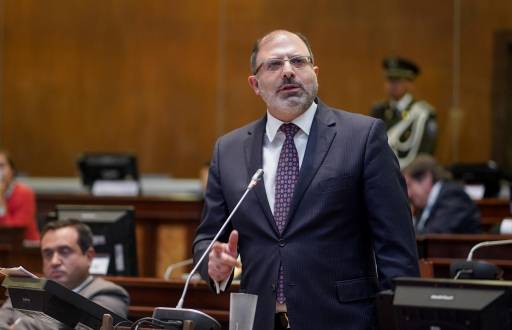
(17, 200)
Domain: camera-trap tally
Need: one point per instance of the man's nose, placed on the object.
(55, 260)
(288, 69)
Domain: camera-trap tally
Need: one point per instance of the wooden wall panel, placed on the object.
(133, 76)
(163, 79)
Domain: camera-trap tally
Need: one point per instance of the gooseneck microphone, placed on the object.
(254, 180)
(486, 243)
(203, 321)
(478, 269)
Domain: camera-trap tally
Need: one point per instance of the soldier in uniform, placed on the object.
(411, 124)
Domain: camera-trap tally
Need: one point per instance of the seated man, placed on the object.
(440, 206)
(17, 201)
(67, 252)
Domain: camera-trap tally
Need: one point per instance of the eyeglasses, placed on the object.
(276, 64)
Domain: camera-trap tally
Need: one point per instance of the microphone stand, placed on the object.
(469, 266)
(200, 319)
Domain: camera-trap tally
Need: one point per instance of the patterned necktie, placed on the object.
(286, 177)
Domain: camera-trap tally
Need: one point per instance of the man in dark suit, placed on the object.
(441, 206)
(329, 226)
(67, 251)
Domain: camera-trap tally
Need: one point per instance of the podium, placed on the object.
(44, 298)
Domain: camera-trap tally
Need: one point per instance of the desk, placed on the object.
(458, 246)
(148, 293)
(492, 211)
(165, 227)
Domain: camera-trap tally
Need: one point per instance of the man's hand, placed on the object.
(223, 258)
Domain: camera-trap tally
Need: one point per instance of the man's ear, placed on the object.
(429, 179)
(253, 82)
(90, 253)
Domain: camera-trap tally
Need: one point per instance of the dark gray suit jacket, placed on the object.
(104, 293)
(453, 212)
(349, 230)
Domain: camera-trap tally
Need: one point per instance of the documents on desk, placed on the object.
(475, 191)
(17, 272)
(115, 188)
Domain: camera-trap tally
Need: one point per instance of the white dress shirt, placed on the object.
(273, 142)
(432, 198)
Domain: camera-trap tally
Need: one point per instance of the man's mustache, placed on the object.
(289, 81)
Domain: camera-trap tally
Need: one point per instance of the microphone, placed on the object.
(486, 243)
(200, 319)
(478, 269)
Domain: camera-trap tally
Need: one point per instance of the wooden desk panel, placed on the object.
(492, 211)
(165, 227)
(458, 246)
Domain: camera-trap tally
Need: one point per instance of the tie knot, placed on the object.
(289, 129)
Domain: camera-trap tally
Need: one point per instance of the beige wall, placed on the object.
(163, 79)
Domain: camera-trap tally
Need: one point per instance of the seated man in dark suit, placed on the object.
(441, 206)
(67, 251)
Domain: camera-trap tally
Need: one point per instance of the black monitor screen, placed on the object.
(487, 174)
(107, 166)
(113, 229)
(442, 304)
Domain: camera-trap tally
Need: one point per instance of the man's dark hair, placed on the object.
(256, 48)
(84, 232)
(424, 164)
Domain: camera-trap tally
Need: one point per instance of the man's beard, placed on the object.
(298, 102)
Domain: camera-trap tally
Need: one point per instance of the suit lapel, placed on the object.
(320, 139)
(253, 147)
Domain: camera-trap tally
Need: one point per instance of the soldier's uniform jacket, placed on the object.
(411, 127)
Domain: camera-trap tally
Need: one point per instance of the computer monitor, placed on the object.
(43, 298)
(114, 240)
(107, 166)
(486, 174)
(445, 304)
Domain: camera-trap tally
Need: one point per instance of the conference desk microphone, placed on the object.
(478, 269)
(175, 318)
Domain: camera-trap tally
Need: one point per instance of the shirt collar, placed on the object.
(303, 121)
(404, 102)
(84, 284)
(432, 197)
